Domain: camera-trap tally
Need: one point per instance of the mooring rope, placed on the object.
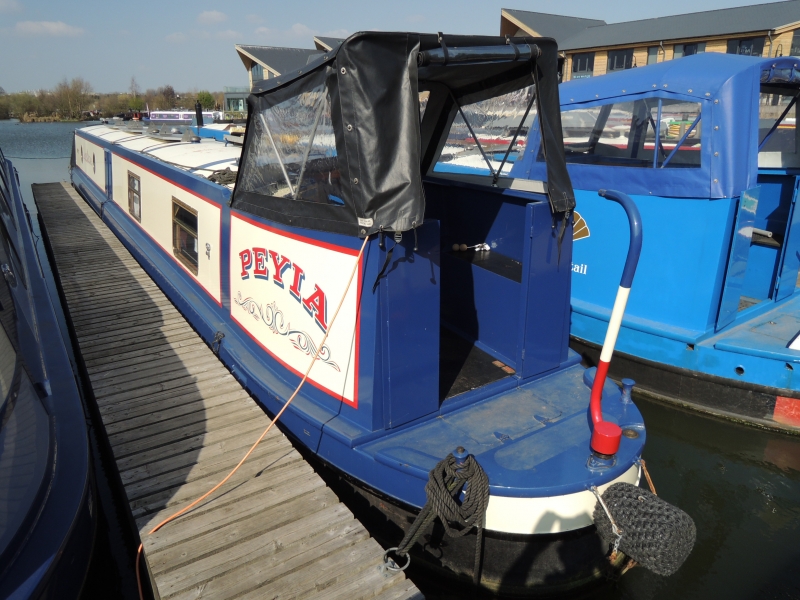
(445, 483)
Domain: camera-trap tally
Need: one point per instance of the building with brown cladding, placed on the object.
(592, 47)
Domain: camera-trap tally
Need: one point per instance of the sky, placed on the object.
(189, 44)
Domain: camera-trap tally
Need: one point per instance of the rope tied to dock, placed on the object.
(446, 482)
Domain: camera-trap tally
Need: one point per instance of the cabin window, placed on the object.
(582, 65)
(619, 60)
(294, 151)
(135, 196)
(184, 234)
(652, 54)
(777, 128)
(257, 72)
(682, 50)
(748, 47)
(484, 132)
(631, 134)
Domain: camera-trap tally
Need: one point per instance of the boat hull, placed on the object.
(537, 565)
(763, 406)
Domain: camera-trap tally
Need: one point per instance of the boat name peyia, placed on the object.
(260, 260)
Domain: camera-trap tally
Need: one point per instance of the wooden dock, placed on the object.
(178, 422)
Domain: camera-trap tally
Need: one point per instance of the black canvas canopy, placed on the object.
(338, 146)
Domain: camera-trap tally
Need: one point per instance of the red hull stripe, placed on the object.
(787, 411)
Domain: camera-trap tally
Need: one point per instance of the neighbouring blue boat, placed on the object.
(47, 495)
(452, 332)
(707, 147)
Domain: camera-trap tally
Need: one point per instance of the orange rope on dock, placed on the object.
(275, 420)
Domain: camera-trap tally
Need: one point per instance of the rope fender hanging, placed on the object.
(649, 530)
(455, 473)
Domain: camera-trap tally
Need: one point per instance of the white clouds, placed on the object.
(209, 17)
(10, 6)
(55, 28)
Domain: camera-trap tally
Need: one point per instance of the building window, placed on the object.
(257, 72)
(748, 47)
(652, 54)
(795, 49)
(184, 234)
(620, 59)
(135, 196)
(682, 50)
(582, 65)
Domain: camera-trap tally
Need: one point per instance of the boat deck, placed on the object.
(178, 422)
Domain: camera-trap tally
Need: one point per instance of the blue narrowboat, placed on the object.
(47, 495)
(433, 305)
(707, 147)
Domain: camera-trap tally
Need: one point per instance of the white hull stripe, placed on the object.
(554, 514)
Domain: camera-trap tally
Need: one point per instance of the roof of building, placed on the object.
(726, 21)
(326, 43)
(279, 60)
(558, 27)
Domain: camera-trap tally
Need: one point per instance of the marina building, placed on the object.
(266, 62)
(592, 47)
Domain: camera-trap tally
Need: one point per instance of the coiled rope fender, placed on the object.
(445, 484)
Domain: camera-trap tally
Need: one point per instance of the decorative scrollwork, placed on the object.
(250, 306)
(273, 318)
(303, 342)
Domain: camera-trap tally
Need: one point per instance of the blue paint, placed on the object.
(737, 260)
(700, 265)
(45, 455)
(401, 426)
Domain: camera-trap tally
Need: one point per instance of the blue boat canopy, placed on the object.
(715, 144)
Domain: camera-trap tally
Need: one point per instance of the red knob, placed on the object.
(606, 437)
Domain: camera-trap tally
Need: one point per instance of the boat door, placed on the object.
(790, 253)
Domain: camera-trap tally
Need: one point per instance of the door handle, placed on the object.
(8, 275)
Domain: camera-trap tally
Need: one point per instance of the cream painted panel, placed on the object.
(156, 211)
(555, 514)
(89, 158)
(288, 314)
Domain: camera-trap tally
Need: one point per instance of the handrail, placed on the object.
(606, 436)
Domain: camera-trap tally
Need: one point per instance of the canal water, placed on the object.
(741, 485)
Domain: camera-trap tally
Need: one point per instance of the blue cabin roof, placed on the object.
(727, 88)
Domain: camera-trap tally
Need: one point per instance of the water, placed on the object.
(740, 484)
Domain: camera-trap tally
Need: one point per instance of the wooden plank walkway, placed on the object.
(178, 422)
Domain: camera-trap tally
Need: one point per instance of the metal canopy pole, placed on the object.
(310, 142)
(277, 152)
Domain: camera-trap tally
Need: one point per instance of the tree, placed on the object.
(72, 98)
(205, 99)
(169, 95)
(136, 103)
